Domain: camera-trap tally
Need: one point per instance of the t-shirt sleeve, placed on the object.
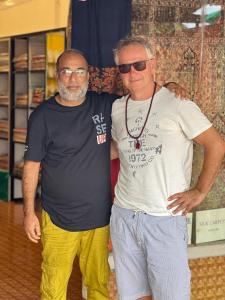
(113, 133)
(113, 130)
(36, 140)
(192, 121)
(111, 98)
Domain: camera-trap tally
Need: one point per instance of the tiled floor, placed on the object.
(20, 266)
(20, 260)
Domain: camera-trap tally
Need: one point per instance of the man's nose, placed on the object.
(133, 71)
(73, 76)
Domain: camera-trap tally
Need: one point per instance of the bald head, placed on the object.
(71, 52)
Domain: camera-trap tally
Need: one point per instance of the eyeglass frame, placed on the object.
(71, 71)
(133, 65)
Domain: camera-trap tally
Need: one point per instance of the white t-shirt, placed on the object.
(163, 164)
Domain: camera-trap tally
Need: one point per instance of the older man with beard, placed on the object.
(69, 137)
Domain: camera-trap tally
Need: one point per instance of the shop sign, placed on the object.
(210, 225)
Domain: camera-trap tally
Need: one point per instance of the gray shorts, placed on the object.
(150, 255)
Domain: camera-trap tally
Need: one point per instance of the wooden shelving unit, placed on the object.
(5, 121)
(27, 69)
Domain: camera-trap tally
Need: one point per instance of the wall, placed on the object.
(33, 16)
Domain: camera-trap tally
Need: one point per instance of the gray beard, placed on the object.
(65, 94)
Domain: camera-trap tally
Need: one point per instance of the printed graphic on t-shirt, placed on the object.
(150, 142)
(100, 126)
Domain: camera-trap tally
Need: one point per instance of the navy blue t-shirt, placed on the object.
(73, 146)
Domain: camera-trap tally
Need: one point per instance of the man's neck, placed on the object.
(69, 103)
(146, 94)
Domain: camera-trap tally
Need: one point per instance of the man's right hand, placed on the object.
(32, 227)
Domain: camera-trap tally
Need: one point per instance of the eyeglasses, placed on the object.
(67, 72)
(138, 66)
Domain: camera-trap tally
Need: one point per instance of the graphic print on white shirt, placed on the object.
(151, 145)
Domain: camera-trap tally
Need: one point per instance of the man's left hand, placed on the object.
(185, 201)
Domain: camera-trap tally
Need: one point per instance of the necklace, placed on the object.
(137, 143)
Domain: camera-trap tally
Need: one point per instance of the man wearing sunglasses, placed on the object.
(154, 131)
(69, 136)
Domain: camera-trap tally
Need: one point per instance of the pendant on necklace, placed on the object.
(137, 145)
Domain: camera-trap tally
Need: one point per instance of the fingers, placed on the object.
(185, 201)
(182, 202)
(176, 199)
(32, 228)
(33, 237)
(175, 196)
(38, 230)
(186, 211)
(180, 207)
(185, 208)
(188, 208)
(34, 234)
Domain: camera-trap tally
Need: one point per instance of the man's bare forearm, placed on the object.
(214, 149)
(210, 169)
(29, 185)
(213, 156)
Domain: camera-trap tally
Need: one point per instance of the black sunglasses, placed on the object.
(138, 66)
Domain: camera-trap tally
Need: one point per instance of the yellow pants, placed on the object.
(60, 247)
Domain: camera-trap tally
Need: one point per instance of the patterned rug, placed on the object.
(189, 43)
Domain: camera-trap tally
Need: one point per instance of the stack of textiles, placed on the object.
(38, 95)
(22, 99)
(4, 99)
(18, 168)
(4, 163)
(21, 62)
(4, 128)
(38, 62)
(19, 135)
(4, 62)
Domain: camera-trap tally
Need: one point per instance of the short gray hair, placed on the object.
(133, 40)
(70, 51)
